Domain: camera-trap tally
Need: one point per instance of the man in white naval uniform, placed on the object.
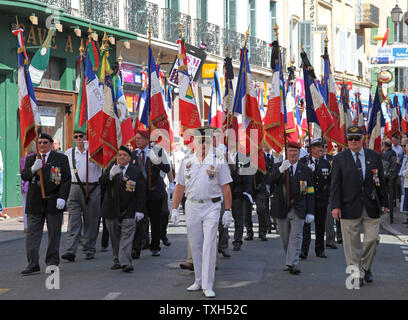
(204, 178)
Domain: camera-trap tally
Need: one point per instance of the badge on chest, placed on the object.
(130, 185)
(56, 175)
(212, 174)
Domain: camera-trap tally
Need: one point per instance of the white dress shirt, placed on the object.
(94, 172)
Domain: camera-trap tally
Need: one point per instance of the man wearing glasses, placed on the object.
(204, 178)
(57, 182)
(358, 197)
(83, 204)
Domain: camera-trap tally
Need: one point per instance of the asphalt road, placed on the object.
(255, 273)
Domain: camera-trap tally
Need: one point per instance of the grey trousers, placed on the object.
(329, 227)
(291, 234)
(35, 224)
(83, 215)
(356, 255)
(121, 236)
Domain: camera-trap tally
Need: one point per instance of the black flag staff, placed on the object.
(276, 59)
(309, 68)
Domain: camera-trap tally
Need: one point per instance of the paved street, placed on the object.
(254, 273)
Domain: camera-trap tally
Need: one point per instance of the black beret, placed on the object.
(123, 148)
(355, 131)
(46, 136)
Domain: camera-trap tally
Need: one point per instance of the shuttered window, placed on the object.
(306, 38)
(202, 11)
(173, 5)
(231, 15)
(252, 17)
(272, 17)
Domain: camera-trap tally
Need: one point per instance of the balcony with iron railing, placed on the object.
(207, 34)
(367, 16)
(165, 26)
(170, 25)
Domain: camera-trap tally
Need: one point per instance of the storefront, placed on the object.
(57, 94)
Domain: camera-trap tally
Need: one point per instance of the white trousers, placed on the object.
(202, 225)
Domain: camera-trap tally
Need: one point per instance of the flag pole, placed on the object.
(276, 29)
(149, 183)
(228, 97)
(308, 122)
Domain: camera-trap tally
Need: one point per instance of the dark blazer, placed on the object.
(269, 162)
(321, 181)
(302, 202)
(57, 183)
(260, 182)
(158, 187)
(349, 193)
(240, 182)
(130, 201)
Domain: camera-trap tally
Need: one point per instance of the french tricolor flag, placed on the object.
(377, 121)
(28, 108)
(215, 116)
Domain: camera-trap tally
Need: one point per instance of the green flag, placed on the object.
(40, 60)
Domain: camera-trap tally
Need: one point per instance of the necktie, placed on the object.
(121, 170)
(143, 157)
(44, 155)
(358, 164)
(291, 171)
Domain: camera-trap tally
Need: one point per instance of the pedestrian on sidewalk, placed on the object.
(358, 197)
(3, 216)
(57, 182)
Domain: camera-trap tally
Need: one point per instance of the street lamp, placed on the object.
(396, 14)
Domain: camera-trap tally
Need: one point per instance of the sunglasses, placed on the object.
(354, 138)
(43, 142)
(79, 136)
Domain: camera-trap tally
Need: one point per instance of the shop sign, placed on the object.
(385, 76)
(209, 70)
(47, 116)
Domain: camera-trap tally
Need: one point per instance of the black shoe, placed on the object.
(237, 247)
(331, 246)
(273, 227)
(166, 242)
(128, 269)
(225, 253)
(321, 255)
(249, 237)
(187, 266)
(302, 256)
(145, 245)
(287, 268)
(263, 238)
(90, 256)
(29, 270)
(156, 253)
(294, 270)
(135, 255)
(68, 257)
(368, 276)
(339, 241)
(269, 230)
(116, 266)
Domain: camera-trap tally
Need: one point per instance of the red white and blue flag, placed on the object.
(123, 111)
(215, 116)
(376, 121)
(28, 108)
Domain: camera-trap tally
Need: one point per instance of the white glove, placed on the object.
(284, 166)
(175, 216)
(155, 159)
(114, 171)
(37, 165)
(86, 145)
(172, 187)
(139, 216)
(312, 166)
(60, 204)
(309, 218)
(227, 218)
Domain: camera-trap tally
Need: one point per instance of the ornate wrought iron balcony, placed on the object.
(258, 52)
(62, 4)
(367, 16)
(139, 14)
(235, 42)
(102, 11)
(207, 34)
(170, 21)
